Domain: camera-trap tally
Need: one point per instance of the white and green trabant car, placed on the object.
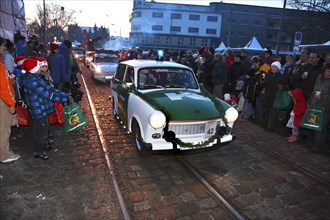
(162, 104)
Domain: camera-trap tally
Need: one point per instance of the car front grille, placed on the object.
(188, 129)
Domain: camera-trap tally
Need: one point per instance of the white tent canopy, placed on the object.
(222, 47)
(252, 46)
(324, 45)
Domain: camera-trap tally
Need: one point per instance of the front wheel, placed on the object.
(140, 146)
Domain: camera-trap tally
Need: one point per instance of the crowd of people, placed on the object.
(33, 77)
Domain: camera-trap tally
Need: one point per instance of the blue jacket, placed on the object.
(61, 68)
(40, 96)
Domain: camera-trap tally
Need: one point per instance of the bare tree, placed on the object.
(311, 5)
(313, 23)
(57, 21)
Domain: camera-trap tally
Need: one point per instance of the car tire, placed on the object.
(114, 111)
(138, 141)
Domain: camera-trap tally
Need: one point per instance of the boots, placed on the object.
(293, 138)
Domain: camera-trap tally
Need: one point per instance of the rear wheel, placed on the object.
(114, 111)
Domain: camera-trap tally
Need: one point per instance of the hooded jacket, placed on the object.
(7, 93)
(300, 106)
(60, 67)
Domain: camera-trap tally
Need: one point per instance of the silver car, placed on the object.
(104, 64)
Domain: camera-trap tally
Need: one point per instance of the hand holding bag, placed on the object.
(73, 116)
(283, 100)
(313, 117)
(291, 120)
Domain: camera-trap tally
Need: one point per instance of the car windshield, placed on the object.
(103, 57)
(149, 78)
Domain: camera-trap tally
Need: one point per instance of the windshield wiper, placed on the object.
(174, 86)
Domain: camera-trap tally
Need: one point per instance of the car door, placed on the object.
(125, 93)
(120, 91)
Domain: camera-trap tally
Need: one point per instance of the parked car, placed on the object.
(103, 65)
(88, 57)
(164, 107)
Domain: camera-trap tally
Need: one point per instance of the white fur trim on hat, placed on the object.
(227, 97)
(277, 64)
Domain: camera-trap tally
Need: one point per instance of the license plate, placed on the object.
(210, 128)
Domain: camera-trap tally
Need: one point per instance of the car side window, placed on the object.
(129, 75)
(120, 72)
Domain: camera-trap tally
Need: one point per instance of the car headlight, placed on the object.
(231, 114)
(157, 119)
(97, 69)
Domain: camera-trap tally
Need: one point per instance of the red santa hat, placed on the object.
(19, 60)
(42, 60)
(31, 65)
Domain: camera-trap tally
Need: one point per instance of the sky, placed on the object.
(114, 14)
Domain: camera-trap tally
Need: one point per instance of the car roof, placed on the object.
(152, 63)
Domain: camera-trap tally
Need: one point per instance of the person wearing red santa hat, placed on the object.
(39, 98)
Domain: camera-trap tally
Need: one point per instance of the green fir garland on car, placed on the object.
(178, 141)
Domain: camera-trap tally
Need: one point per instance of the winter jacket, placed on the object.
(235, 71)
(7, 93)
(307, 84)
(299, 107)
(60, 66)
(219, 74)
(20, 48)
(9, 62)
(322, 85)
(40, 96)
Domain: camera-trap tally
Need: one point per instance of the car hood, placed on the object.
(186, 104)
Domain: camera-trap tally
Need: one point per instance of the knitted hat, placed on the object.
(277, 64)
(31, 65)
(19, 60)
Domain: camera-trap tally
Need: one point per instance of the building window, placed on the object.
(176, 29)
(257, 22)
(157, 15)
(192, 42)
(244, 21)
(204, 42)
(242, 34)
(232, 20)
(176, 16)
(156, 40)
(168, 41)
(145, 39)
(180, 41)
(194, 17)
(231, 33)
(211, 31)
(193, 30)
(212, 18)
(157, 27)
(137, 14)
(136, 27)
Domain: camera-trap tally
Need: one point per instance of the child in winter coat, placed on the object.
(299, 109)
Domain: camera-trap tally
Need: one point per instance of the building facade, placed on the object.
(184, 26)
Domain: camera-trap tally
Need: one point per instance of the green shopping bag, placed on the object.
(313, 117)
(283, 100)
(73, 116)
